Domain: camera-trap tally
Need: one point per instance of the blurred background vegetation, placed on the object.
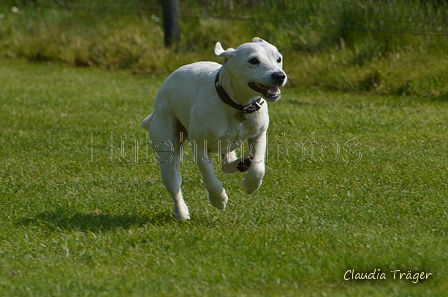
(396, 47)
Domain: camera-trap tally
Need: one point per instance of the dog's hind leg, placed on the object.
(164, 134)
(146, 123)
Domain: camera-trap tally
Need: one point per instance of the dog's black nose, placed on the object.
(279, 77)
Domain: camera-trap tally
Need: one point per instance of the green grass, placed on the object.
(391, 47)
(78, 220)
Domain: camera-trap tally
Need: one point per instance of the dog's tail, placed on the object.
(147, 122)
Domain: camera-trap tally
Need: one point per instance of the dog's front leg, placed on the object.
(216, 193)
(254, 176)
(232, 164)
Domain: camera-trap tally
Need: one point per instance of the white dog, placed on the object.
(216, 107)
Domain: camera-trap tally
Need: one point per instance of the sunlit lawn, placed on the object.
(354, 182)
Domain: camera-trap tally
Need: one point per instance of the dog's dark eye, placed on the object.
(279, 59)
(254, 61)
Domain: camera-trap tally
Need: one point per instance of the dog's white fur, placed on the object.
(188, 107)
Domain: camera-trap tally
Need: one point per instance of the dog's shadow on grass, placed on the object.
(62, 219)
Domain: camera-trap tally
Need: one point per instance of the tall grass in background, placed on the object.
(387, 47)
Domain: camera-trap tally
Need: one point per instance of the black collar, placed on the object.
(249, 108)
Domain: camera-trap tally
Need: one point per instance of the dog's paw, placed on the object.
(182, 212)
(252, 181)
(250, 187)
(183, 216)
(218, 200)
(243, 166)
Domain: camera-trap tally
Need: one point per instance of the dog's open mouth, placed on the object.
(270, 92)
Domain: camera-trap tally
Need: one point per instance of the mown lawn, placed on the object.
(354, 182)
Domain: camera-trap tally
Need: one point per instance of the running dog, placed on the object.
(217, 107)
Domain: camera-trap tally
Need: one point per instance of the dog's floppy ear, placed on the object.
(257, 39)
(220, 52)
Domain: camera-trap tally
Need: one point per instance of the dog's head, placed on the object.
(257, 65)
